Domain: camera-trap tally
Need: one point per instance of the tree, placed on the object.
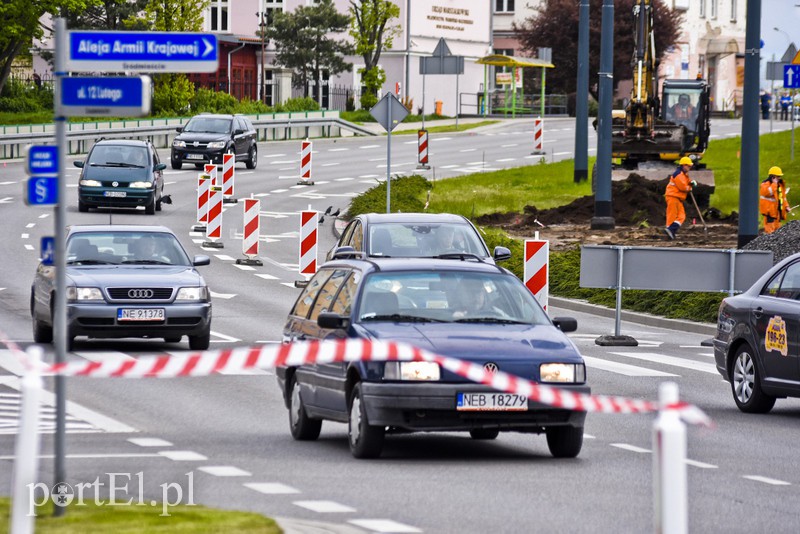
(111, 15)
(556, 26)
(174, 15)
(302, 42)
(20, 22)
(372, 33)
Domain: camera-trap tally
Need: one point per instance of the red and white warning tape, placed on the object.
(352, 350)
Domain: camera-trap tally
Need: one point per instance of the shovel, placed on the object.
(705, 228)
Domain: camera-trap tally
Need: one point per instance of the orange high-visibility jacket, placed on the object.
(772, 199)
(679, 185)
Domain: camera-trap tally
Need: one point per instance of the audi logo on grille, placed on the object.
(491, 367)
(140, 293)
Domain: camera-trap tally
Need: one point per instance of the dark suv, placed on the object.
(206, 137)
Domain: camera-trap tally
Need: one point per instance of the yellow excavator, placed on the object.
(651, 134)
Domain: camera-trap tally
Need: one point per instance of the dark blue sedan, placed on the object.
(461, 308)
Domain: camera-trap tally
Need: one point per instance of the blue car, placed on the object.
(463, 308)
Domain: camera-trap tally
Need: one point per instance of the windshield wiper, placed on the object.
(120, 164)
(401, 318)
(146, 262)
(89, 262)
(488, 320)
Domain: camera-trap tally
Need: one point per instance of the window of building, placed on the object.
(714, 9)
(703, 8)
(734, 5)
(503, 6)
(270, 8)
(219, 15)
(503, 52)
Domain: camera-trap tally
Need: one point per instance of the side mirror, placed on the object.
(179, 129)
(566, 324)
(201, 259)
(78, 163)
(160, 166)
(501, 254)
(343, 252)
(332, 321)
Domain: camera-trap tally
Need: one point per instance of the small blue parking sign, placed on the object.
(48, 250)
(41, 191)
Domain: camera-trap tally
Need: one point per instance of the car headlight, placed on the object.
(192, 294)
(562, 373)
(141, 185)
(177, 143)
(412, 371)
(90, 183)
(82, 294)
(216, 144)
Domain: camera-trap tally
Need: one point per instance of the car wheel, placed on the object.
(177, 165)
(150, 207)
(201, 342)
(484, 433)
(172, 339)
(82, 207)
(158, 204)
(303, 427)
(565, 441)
(198, 165)
(42, 333)
(252, 158)
(365, 441)
(746, 383)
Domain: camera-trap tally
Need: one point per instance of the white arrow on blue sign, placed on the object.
(48, 245)
(791, 76)
(42, 159)
(97, 51)
(105, 97)
(41, 191)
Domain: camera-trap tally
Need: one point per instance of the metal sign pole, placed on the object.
(793, 111)
(458, 107)
(389, 160)
(423, 96)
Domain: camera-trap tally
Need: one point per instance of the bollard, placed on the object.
(669, 465)
(250, 232)
(203, 184)
(422, 149)
(228, 165)
(536, 273)
(214, 230)
(538, 136)
(308, 242)
(305, 163)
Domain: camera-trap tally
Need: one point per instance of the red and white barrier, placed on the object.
(536, 272)
(422, 149)
(211, 169)
(214, 228)
(538, 136)
(228, 164)
(308, 242)
(305, 163)
(251, 232)
(203, 184)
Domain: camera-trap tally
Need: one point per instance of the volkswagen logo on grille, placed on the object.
(491, 367)
(196, 143)
(115, 184)
(140, 293)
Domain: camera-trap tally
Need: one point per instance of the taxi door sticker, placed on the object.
(775, 338)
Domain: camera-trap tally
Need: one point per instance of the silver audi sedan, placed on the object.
(126, 281)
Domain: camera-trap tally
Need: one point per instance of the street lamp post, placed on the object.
(263, 28)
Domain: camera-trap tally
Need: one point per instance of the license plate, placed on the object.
(194, 156)
(140, 314)
(115, 194)
(491, 402)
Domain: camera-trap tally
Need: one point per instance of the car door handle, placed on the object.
(758, 312)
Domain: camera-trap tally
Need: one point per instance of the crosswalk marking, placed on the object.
(622, 368)
(105, 356)
(671, 360)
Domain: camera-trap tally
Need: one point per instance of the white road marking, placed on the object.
(369, 146)
(509, 146)
(298, 186)
(259, 195)
(94, 456)
(105, 356)
(443, 138)
(267, 276)
(244, 267)
(198, 241)
(588, 436)
(377, 159)
(288, 176)
(368, 176)
(343, 179)
(274, 156)
(183, 456)
(150, 442)
(222, 295)
(29, 247)
(337, 149)
(224, 337)
(333, 164)
(632, 448)
(170, 182)
(765, 480)
(468, 150)
(701, 465)
(7, 200)
(197, 234)
(44, 215)
(448, 166)
(563, 154)
(271, 488)
(288, 284)
(621, 368)
(224, 471)
(282, 162)
(278, 190)
(7, 183)
(671, 360)
(30, 225)
(223, 257)
(324, 507)
(503, 160)
(321, 182)
(383, 525)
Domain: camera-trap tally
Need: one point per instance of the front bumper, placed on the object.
(432, 407)
(100, 320)
(188, 155)
(95, 196)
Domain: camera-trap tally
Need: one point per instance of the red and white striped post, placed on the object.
(228, 163)
(203, 183)
(538, 136)
(536, 274)
(211, 169)
(422, 149)
(214, 230)
(308, 242)
(305, 164)
(251, 232)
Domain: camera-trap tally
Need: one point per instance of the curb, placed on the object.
(634, 317)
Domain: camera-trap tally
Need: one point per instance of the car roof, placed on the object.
(412, 218)
(216, 115)
(123, 142)
(418, 264)
(79, 228)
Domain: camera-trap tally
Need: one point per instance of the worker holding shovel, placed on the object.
(678, 187)
(772, 201)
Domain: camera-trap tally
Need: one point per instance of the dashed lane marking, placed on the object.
(244, 267)
(29, 247)
(267, 276)
(369, 146)
(324, 507)
(701, 465)
(223, 257)
(337, 149)
(622, 368)
(766, 480)
(94, 456)
(274, 156)
(150, 442)
(671, 360)
(332, 164)
(509, 146)
(105, 356)
(632, 448)
(183, 456)
(223, 337)
(30, 225)
(224, 471)
(271, 488)
(383, 525)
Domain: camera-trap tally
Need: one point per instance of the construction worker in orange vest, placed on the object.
(772, 202)
(678, 187)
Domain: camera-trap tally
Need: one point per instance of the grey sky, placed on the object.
(784, 15)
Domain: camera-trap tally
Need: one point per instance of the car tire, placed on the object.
(42, 333)
(201, 342)
(150, 207)
(252, 157)
(484, 433)
(82, 207)
(177, 165)
(365, 441)
(746, 383)
(565, 441)
(158, 204)
(303, 428)
(199, 165)
(172, 339)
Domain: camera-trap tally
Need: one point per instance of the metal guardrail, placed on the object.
(80, 137)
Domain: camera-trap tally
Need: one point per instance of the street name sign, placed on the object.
(48, 246)
(791, 76)
(99, 51)
(41, 191)
(42, 159)
(105, 97)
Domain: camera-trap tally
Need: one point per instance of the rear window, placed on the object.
(424, 240)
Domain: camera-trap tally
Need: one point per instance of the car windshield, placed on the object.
(465, 297)
(125, 248)
(423, 240)
(118, 156)
(208, 125)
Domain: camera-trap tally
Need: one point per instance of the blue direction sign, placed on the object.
(105, 97)
(41, 191)
(48, 250)
(42, 159)
(94, 51)
(791, 76)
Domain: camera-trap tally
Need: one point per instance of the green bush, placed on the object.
(298, 104)
(208, 101)
(173, 95)
(405, 191)
(21, 97)
(251, 107)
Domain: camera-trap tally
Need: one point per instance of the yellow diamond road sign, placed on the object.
(796, 60)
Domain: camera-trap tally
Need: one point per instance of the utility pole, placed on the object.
(581, 169)
(263, 26)
(603, 215)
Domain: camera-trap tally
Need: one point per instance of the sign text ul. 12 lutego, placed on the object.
(105, 97)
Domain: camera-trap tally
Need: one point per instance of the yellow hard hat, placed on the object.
(686, 161)
(775, 171)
